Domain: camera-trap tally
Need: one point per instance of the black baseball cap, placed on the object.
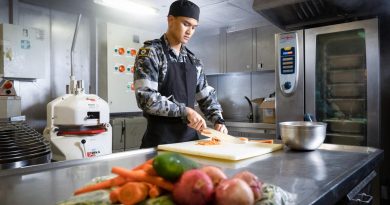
(184, 8)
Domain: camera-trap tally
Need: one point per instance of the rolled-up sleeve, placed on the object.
(146, 78)
(207, 98)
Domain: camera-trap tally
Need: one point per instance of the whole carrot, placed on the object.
(142, 176)
(116, 181)
(149, 169)
(142, 166)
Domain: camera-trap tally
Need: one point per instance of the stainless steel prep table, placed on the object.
(322, 176)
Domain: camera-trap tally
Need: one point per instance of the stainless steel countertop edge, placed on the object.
(338, 190)
(68, 163)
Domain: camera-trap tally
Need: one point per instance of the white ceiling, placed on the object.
(214, 14)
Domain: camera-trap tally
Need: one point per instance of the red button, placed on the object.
(121, 51)
(133, 52)
(132, 69)
(7, 85)
(122, 68)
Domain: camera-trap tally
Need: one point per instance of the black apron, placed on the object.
(180, 82)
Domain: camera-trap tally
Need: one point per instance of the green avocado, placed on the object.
(172, 165)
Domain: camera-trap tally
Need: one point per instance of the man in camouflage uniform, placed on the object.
(169, 78)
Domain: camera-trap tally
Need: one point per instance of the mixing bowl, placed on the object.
(301, 135)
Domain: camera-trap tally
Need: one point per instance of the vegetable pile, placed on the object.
(171, 178)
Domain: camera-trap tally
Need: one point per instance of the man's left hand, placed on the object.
(221, 127)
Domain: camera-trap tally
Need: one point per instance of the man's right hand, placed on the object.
(195, 121)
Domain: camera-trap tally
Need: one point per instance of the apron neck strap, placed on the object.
(166, 51)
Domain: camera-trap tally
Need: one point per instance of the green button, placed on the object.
(116, 68)
(128, 52)
(116, 50)
(128, 86)
(128, 69)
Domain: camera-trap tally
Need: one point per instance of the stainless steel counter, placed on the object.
(322, 176)
(251, 130)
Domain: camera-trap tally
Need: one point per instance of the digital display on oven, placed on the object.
(287, 60)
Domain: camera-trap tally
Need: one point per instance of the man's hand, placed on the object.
(195, 120)
(221, 127)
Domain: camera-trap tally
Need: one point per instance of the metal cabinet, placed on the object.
(207, 49)
(118, 139)
(134, 129)
(239, 51)
(265, 47)
(127, 133)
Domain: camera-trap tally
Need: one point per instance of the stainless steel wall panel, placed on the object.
(35, 95)
(263, 84)
(4, 11)
(212, 80)
(231, 91)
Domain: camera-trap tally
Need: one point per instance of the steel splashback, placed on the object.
(21, 146)
(299, 14)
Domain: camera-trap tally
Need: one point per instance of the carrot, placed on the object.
(142, 166)
(116, 181)
(264, 141)
(142, 176)
(154, 191)
(133, 192)
(114, 195)
(150, 170)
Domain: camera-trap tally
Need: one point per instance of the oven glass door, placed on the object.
(341, 83)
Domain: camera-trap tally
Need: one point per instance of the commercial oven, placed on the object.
(332, 74)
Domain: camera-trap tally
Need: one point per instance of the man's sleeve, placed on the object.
(146, 76)
(207, 98)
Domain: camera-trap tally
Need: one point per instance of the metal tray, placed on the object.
(347, 76)
(345, 61)
(349, 107)
(349, 90)
(347, 126)
(345, 139)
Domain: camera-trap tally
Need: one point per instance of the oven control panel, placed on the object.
(288, 62)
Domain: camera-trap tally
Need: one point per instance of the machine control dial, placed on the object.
(287, 85)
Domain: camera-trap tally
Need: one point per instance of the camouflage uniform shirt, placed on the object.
(150, 71)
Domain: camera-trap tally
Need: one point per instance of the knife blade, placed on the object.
(208, 132)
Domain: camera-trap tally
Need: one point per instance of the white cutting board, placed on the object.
(229, 151)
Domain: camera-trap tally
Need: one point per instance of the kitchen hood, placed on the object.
(299, 14)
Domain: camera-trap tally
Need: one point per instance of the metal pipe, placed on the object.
(73, 44)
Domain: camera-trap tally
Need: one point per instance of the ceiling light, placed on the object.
(128, 6)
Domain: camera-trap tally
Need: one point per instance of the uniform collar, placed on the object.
(183, 50)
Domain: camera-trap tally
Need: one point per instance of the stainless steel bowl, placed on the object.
(300, 135)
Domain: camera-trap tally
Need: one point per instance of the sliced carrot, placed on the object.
(133, 192)
(264, 141)
(116, 181)
(114, 195)
(142, 176)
